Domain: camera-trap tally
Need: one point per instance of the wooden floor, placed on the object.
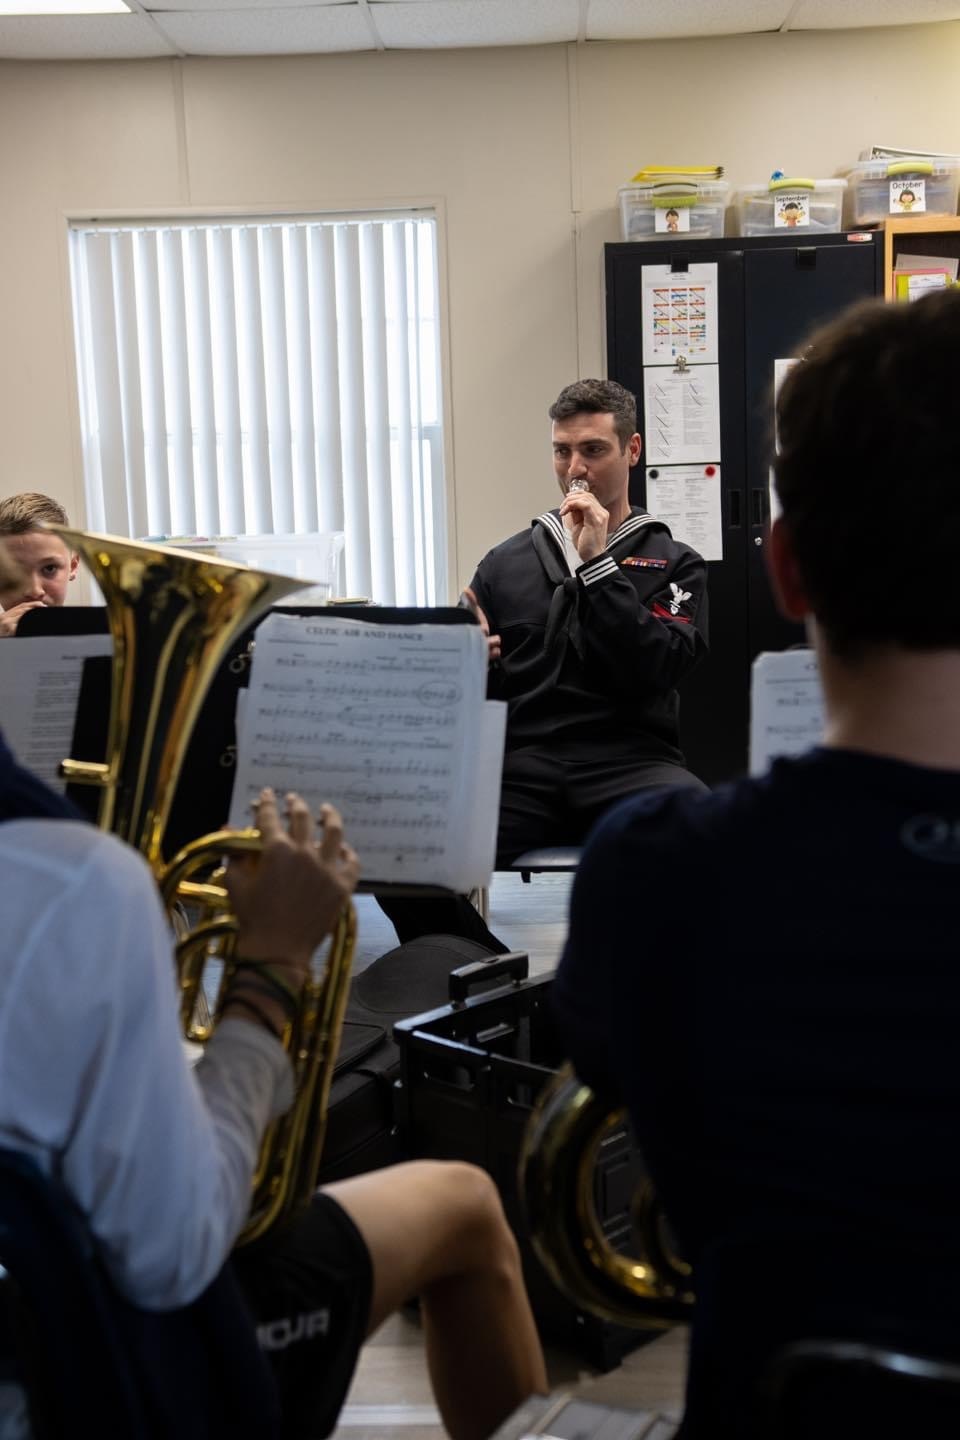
(390, 1397)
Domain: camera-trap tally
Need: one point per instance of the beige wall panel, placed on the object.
(85, 136)
(805, 103)
(523, 151)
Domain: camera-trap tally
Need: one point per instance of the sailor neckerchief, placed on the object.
(549, 542)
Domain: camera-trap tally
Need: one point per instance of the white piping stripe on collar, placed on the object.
(554, 525)
(632, 523)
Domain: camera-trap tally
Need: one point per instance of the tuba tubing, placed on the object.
(648, 1291)
(291, 1149)
(173, 616)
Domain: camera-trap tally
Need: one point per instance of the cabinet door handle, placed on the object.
(757, 506)
(735, 509)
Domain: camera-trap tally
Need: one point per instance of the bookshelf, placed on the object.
(918, 235)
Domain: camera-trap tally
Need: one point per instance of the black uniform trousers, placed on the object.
(550, 795)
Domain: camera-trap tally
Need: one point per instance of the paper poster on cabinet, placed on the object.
(682, 415)
(679, 314)
(687, 498)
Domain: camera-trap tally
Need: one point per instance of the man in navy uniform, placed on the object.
(594, 614)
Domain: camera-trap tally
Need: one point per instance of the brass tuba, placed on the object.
(649, 1290)
(173, 616)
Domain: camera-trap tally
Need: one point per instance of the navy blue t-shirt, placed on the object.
(769, 977)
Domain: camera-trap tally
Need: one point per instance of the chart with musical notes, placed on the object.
(390, 724)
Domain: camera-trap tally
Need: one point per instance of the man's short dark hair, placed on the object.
(868, 474)
(598, 397)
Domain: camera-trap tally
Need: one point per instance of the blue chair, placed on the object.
(89, 1359)
(61, 1334)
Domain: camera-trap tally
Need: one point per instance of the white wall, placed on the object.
(522, 149)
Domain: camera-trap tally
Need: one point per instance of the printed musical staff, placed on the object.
(388, 723)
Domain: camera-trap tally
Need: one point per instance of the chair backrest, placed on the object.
(61, 1329)
(88, 1358)
(824, 1389)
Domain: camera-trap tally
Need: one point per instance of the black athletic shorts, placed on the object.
(309, 1285)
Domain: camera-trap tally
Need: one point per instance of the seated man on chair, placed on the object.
(159, 1159)
(782, 1021)
(594, 614)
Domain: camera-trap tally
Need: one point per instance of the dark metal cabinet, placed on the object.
(771, 291)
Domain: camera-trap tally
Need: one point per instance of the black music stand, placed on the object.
(62, 620)
(90, 722)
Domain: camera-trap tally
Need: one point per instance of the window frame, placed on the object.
(433, 206)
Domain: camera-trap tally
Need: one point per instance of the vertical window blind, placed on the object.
(268, 376)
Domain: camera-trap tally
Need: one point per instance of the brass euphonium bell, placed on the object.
(173, 616)
(648, 1290)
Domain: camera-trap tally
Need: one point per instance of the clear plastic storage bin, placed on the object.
(777, 207)
(655, 211)
(879, 188)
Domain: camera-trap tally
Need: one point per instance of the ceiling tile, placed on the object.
(294, 30)
(80, 37)
(159, 7)
(450, 24)
(853, 14)
(666, 19)
(241, 27)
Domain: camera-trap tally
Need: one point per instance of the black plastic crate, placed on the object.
(469, 1075)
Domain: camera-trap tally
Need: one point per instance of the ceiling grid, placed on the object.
(303, 27)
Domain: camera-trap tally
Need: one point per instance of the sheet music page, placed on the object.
(786, 706)
(385, 722)
(39, 687)
(480, 838)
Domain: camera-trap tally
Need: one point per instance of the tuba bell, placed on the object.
(172, 617)
(648, 1290)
